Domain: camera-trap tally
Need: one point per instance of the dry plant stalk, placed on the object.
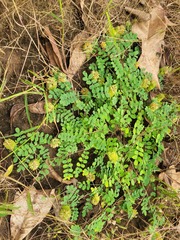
(58, 178)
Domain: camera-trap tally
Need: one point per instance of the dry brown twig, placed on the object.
(58, 178)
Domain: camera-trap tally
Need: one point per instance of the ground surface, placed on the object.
(23, 47)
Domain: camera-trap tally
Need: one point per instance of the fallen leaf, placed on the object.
(164, 177)
(32, 207)
(178, 227)
(11, 62)
(37, 107)
(78, 56)
(140, 14)
(16, 109)
(151, 32)
(52, 59)
(55, 48)
(90, 32)
(172, 178)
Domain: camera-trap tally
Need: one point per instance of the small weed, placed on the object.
(111, 126)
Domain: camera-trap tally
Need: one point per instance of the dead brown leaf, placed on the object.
(57, 57)
(78, 57)
(24, 219)
(52, 57)
(140, 14)
(151, 32)
(37, 107)
(178, 227)
(16, 108)
(10, 65)
(172, 178)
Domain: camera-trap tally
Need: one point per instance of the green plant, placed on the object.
(75, 232)
(71, 199)
(110, 132)
(31, 152)
(6, 209)
(97, 224)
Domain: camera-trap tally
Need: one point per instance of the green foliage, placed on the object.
(71, 199)
(98, 223)
(75, 232)
(31, 149)
(6, 209)
(87, 207)
(110, 132)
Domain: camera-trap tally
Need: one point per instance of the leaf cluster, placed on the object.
(31, 148)
(110, 132)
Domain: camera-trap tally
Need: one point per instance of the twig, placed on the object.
(56, 176)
